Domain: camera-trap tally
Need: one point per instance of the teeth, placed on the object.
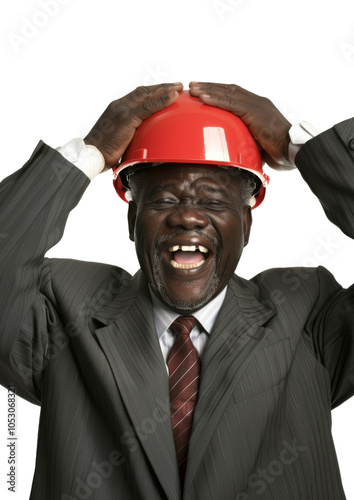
(186, 266)
(186, 248)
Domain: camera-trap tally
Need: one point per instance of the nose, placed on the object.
(188, 217)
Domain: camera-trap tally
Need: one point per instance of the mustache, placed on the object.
(195, 233)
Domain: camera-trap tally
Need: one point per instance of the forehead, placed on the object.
(189, 174)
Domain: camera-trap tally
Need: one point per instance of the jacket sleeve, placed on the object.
(34, 205)
(326, 163)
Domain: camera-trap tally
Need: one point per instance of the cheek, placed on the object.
(142, 236)
(146, 232)
(232, 239)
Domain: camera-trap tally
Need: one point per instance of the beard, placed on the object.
(186, 306)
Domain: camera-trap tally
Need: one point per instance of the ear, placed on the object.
(131, 219)
(247, 223)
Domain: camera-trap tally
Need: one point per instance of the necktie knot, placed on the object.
(183, 325)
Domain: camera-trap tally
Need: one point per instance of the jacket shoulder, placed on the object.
(74, 282)
(297, 288)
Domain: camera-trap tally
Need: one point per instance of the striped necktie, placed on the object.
(184, 367)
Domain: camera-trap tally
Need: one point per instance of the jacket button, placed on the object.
(351, 144)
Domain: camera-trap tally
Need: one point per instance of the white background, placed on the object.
(58, 78)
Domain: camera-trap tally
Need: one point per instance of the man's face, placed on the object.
(189, 228)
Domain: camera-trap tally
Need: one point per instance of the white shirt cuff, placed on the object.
(87, 158)
(299, 134)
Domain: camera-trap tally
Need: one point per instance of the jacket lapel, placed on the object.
(132, 348)
(236, 337)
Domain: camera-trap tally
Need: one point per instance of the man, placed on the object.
(93, 345)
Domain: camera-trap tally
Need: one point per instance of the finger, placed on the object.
(206, 85)
(125, 107)
(232, 104)
(151, 106)
(206, 88)
(221, 89)
(143, 93)
(210, 87)
(229, 97)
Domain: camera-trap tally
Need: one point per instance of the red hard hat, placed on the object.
(189, 131)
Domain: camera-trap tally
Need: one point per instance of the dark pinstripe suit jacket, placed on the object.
(78, 338)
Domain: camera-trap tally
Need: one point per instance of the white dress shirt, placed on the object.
(206, 316)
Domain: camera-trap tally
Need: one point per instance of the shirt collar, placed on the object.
(206, 316)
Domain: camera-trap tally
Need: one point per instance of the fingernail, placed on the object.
(193, 83)
(205, 96)
(177, 83)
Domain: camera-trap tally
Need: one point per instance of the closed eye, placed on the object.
(165, 203)
(212, 204)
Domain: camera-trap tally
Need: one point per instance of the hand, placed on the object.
(265, 122)
(116, 127)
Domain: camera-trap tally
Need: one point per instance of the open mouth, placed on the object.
(188, 257)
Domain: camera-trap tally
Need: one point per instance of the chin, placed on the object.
(185, 305)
